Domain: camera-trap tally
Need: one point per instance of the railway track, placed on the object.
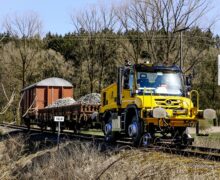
(68, 134)
(191, 151)
(212, 154)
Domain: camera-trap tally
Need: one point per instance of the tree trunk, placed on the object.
(23, 74)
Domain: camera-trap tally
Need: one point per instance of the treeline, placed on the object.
(103, 39)
(90, 62)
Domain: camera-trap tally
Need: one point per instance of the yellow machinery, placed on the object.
(147, 100)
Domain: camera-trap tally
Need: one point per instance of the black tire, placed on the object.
(78, 127)
(27, 122)
(43, 126)
(112, 136)
(177, 132)
(53, 127)
(186, 141)
(182, 137)
(136, 139)
(73, 127)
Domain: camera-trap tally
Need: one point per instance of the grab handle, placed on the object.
(197, 98)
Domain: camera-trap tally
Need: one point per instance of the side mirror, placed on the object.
(125, 78)
(188, 80)
(188, 87)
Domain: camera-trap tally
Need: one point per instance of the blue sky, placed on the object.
(55, 14)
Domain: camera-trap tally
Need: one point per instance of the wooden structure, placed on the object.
(43, 93)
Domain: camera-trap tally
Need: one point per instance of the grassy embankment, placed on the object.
(77, 160)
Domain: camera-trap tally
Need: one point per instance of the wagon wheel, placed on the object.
(27, 122)
(43, 126)
(53, 126)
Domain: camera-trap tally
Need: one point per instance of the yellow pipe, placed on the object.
(143, 94)
(197, 98)
(151, 99)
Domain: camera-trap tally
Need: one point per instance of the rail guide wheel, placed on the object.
(147, 139)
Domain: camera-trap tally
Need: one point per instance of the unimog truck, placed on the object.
(149, 103)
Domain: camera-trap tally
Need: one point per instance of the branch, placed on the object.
(28, 110)
(19, 105)
(5, 92)
(4, 109)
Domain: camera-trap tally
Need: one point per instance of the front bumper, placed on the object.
(173, 122)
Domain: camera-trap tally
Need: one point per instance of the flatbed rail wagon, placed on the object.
(76, 115)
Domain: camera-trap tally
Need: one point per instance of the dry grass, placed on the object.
(77, 160)
(11, 150)
(207, 141)
(204, 125)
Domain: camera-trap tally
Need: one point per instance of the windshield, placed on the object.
(166, 83)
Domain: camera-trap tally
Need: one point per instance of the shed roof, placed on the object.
(54, 82)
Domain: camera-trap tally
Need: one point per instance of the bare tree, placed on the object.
(24, 26)
(87, 23)
(94, 20)
(9, 101)
(24, 29)
(97, 25)
(159, 21)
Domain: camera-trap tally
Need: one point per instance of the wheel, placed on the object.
(27, 122)
(182, 137)
(77, 127)
(43, 126)
(187, 139)
(53, 127)
(73, 126)
(147, 139)
(110, 136)
(135, 130)
(177, 132)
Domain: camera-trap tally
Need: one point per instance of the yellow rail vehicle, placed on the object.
(147, 100)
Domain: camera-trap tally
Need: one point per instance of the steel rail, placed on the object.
(190, 153)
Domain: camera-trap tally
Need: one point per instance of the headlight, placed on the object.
(159, 113)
